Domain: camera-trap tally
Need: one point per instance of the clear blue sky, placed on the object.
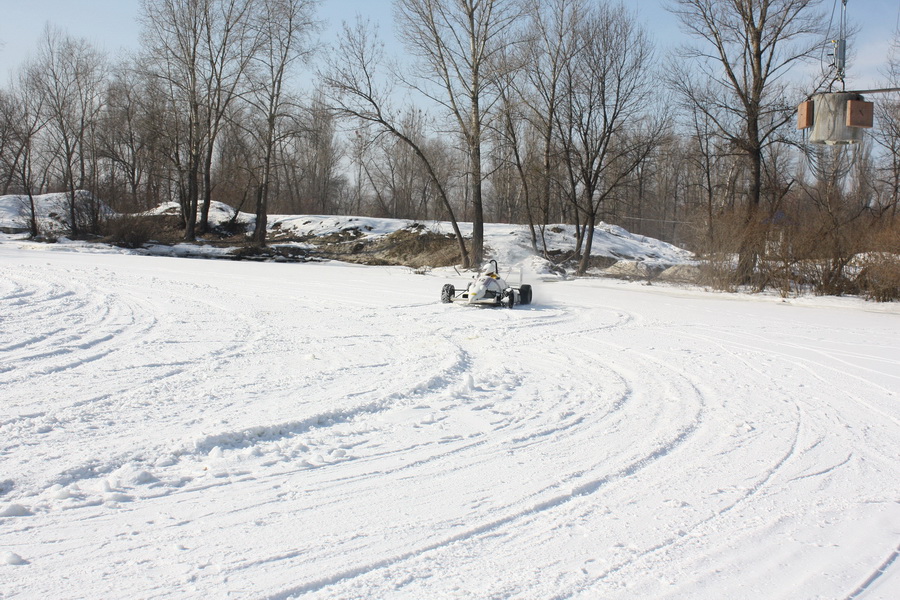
(111, 25)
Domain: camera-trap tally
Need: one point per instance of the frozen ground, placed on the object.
(176, 428)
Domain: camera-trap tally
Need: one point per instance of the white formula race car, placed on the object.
(488, 289)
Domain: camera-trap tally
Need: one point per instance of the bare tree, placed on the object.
(393, 172)
(705, 157)
(9, 148)
(128, 136)
(200, 49)
(459, 44)
(173, 33)
(69, 73)
(746, 48)
(24, 108)
(322, 154)
(604, 113)
(360, 151)
(358, 91)
(552, 43)
(230, 43)
(284, 29)
(509, 162)
(887, 136)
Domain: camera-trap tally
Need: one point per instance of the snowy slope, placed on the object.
(49, 208)
(512, 243)
(508, 243)
(178, 428)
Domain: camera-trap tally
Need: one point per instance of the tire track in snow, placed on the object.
(814, 367)
(769, 480)
(689, 533)
(580, 485)
(381, 402)
(468, 446)
(95, 322)
(530, 468)
(761, 483)
(102, 324)
(577, 492)
(433, 372)
(879, 571)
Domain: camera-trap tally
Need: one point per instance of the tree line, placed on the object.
(530, 111)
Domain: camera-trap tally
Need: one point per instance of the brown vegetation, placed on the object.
(411, 247)
(808, 251)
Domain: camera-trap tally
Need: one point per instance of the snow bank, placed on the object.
(511, 245)
(219, 213)
(51, 211)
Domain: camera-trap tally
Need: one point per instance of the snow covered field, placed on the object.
(176, 428)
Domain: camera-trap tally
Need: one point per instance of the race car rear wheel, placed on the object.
(525, 294)
(447, 293)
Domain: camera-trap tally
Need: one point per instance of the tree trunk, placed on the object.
(262, 197)
(73, 211)
(262, 216)
(752, 240)
(590, 223)
(190, 219)
(203, 223)
(477, 207)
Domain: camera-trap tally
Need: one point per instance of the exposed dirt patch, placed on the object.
(412, 247)
(277, 252)
(633, 270)
(601, 262)
(681, 274)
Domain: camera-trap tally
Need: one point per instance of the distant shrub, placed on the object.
(879, 277)
(879, 269)
(718, 249)
(131, 231)
(806, 247)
